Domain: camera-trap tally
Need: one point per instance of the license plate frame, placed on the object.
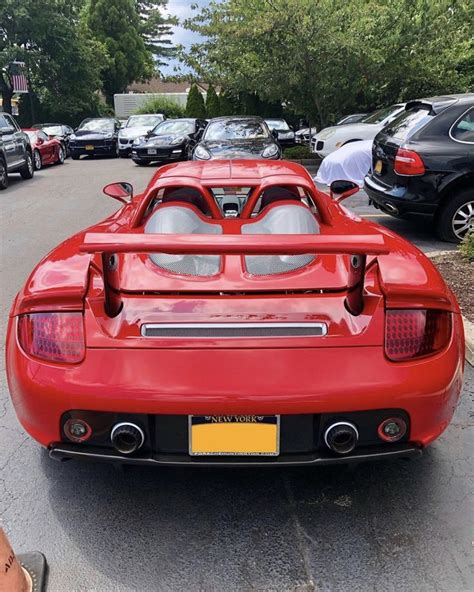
(254, 421)
(89, 147)
(378, 167)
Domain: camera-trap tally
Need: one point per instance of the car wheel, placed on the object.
(3, 175)
(60, 159)
(75, 156)
(456, 217)
(140, 162)
(38, 162)
(28, 169)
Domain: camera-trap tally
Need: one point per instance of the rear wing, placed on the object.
(357, 246)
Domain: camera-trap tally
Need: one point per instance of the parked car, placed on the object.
(95, 136)
(332, 138)
(173, 139)
(302, 135)
(134, 127)
(59, 131)
(423, 162)
(354, 118)
(350, 163)
(172, 334)
(285, 134)
(45, 150)
(237, 137)
(15, 151)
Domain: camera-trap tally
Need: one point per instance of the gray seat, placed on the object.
(182, 220)
(284, 219)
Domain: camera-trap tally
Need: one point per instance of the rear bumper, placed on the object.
(411, 198)
(61, 451)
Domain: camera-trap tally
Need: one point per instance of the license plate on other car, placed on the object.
(152, 151)
(89, 147)
(378, 167)
(234, 435)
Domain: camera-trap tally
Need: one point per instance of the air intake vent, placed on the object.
(233, 330)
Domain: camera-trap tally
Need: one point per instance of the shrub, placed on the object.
(297, 153)
(195, 104)
(212, 103)
(467, 246)
(161, 105)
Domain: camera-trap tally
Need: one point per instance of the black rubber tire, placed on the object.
(3, 175)
(75, 156)
(61, 155)
(37, 160)
(28, 170)
(444, 216)
(140, 162)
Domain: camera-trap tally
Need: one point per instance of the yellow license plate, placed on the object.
(378, 167)
(234, 435)
(89, 147)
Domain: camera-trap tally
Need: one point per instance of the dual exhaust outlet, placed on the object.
(340, 437)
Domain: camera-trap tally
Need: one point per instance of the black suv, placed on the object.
(423, 162)
(15, 151)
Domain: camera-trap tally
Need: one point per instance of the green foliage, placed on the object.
(228, 103)
(156, 29)
(298, 153)
(212, 103)
(328, 58)
(195, 103)
(165, 106)
(467, 246)
(117, 24)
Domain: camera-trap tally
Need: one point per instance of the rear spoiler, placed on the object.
(358, 246)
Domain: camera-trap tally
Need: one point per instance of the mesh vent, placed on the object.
(232, 330)
(192, 265)
(273, 264)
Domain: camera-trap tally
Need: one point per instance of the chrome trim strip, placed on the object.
(321, 327)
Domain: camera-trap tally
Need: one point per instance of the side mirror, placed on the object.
(343, 189)
(39, 141)
(149, 133)
(120, 191)
(275, 134)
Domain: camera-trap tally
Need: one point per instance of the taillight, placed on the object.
(413, 333)
(53, 336)
(408, 162)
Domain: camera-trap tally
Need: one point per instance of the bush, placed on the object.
(467, 246)
(165, 106)
(195, 104)
(298, 153)
(212, 103)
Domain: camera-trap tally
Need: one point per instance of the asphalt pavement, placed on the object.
(387, 526)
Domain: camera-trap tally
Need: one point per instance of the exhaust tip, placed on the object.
(127, 437)
(341, 437)
(391, 208)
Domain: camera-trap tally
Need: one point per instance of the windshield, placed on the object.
(381, 114)
(236, 129)
(408, 122)
(97, 125)
(174, 127)
(31, 135)
(277, 124)
(144, 120)
(53, 130)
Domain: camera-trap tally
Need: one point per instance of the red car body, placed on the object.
(45, 150)
(357, 350)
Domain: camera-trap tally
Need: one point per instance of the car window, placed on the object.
(53, 130)
(174, 127)
(98, 125)
(279, 124)
(144, 120)
(408, 122)
(32, 135)
(463, 129)
(42, 135)
(236, 129)
(381, 114)
(7, 122)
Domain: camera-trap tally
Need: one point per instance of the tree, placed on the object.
(63, 62)
(327, 58)
(116, 24)
(195, 103)
(156, 29)
(212, 103)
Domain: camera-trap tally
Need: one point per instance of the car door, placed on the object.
(47, 147)
(18, 138)
(8, 131)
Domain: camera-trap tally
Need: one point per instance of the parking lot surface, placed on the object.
(399, 525)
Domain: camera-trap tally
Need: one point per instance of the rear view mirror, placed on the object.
(120, 191)
(343, 189)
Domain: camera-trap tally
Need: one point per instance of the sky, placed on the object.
(182, 9)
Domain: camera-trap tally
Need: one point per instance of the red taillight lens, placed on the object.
(413, 333)
(408, 162)
(53, 336)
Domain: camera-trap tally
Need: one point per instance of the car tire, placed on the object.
(140, 162)
(37, 160)
(61, 156)
(28, 169)
(75, 156)
(3, 175)
(456, 216)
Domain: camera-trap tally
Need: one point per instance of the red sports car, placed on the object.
(233, 314)
(46, 150)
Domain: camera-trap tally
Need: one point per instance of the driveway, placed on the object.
(391, 526)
